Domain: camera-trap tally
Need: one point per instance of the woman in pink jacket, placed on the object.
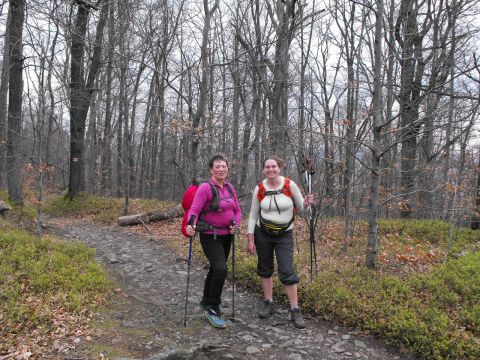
(217, 214)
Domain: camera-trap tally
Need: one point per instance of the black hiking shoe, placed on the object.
(297, 318)
(215, 308)
(265, 309)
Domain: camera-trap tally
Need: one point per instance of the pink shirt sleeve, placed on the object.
(202, 197)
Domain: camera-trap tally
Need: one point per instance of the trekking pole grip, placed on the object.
(234, 224)
(191, 221)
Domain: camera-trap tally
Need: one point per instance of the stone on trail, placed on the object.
(319, 338)
(252, 350)
(294, 357)
(359, 344)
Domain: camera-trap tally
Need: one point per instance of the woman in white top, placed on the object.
(274, 204)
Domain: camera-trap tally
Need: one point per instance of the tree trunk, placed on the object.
(203, 87)
(81, 92)
(15, 96)
(3, 107)
(51, 111)
(371, 257)
(236, 102)
(279, 96)
(106, 158)
(412, 68)
(476, 216)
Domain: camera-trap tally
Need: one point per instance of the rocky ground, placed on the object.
(145, 319)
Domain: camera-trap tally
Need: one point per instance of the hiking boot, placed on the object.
(215, 318)
(265, 309)
(297, 318)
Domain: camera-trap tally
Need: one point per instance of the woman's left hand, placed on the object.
(308, 200)
(233, 229)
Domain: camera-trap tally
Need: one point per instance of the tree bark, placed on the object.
(15, 96)
(476, 216)
(106, 158)
(377, 103)
(412, 68)
(203, 87)
(3, 107)
(286, 12)
(81, 92)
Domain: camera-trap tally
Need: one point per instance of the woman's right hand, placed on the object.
(190, 230)
(251, 248)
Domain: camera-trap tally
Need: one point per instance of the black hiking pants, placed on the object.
(216, 251)
(282, 247)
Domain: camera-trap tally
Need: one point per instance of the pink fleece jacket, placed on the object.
(228, 208)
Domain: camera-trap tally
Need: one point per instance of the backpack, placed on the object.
(272, 227)
(212, 207)
(286, 189)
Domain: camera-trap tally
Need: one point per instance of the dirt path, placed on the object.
(146, 319)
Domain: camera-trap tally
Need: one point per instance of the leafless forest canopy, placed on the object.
(132, 97)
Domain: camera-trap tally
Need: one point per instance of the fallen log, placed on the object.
(150, 217)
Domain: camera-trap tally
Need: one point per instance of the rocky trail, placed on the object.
(145, 320)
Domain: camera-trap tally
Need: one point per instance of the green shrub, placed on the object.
(435, 314)
(101, 209)
(58, 274)
(433, 231)
(470, 318)
(84, 206)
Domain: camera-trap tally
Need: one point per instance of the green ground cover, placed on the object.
(417, 298)
(48, 290)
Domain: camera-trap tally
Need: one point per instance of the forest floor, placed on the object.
(145, 317)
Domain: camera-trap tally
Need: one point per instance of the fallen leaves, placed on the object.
(60, 334)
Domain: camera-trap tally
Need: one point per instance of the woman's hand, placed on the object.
(190, 230)
(308, 200)
(251, 248)
(234, 228)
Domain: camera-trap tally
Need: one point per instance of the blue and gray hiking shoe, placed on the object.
(214, 317)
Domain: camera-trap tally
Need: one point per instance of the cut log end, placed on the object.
(4, 207)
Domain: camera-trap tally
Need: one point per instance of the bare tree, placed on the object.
(284, 19)
(15, 96)
(378, 124)
(203, 86)
(3, 108)
(81, 90)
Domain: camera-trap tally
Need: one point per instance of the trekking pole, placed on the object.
(237, 231)
(309, 171)
(190, 222)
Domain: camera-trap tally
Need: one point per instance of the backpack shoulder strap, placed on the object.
(261, 192)
(230, 189)
(215, 198)
(287, 190)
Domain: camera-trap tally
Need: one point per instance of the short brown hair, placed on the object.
(218, 157)
(280, 162)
